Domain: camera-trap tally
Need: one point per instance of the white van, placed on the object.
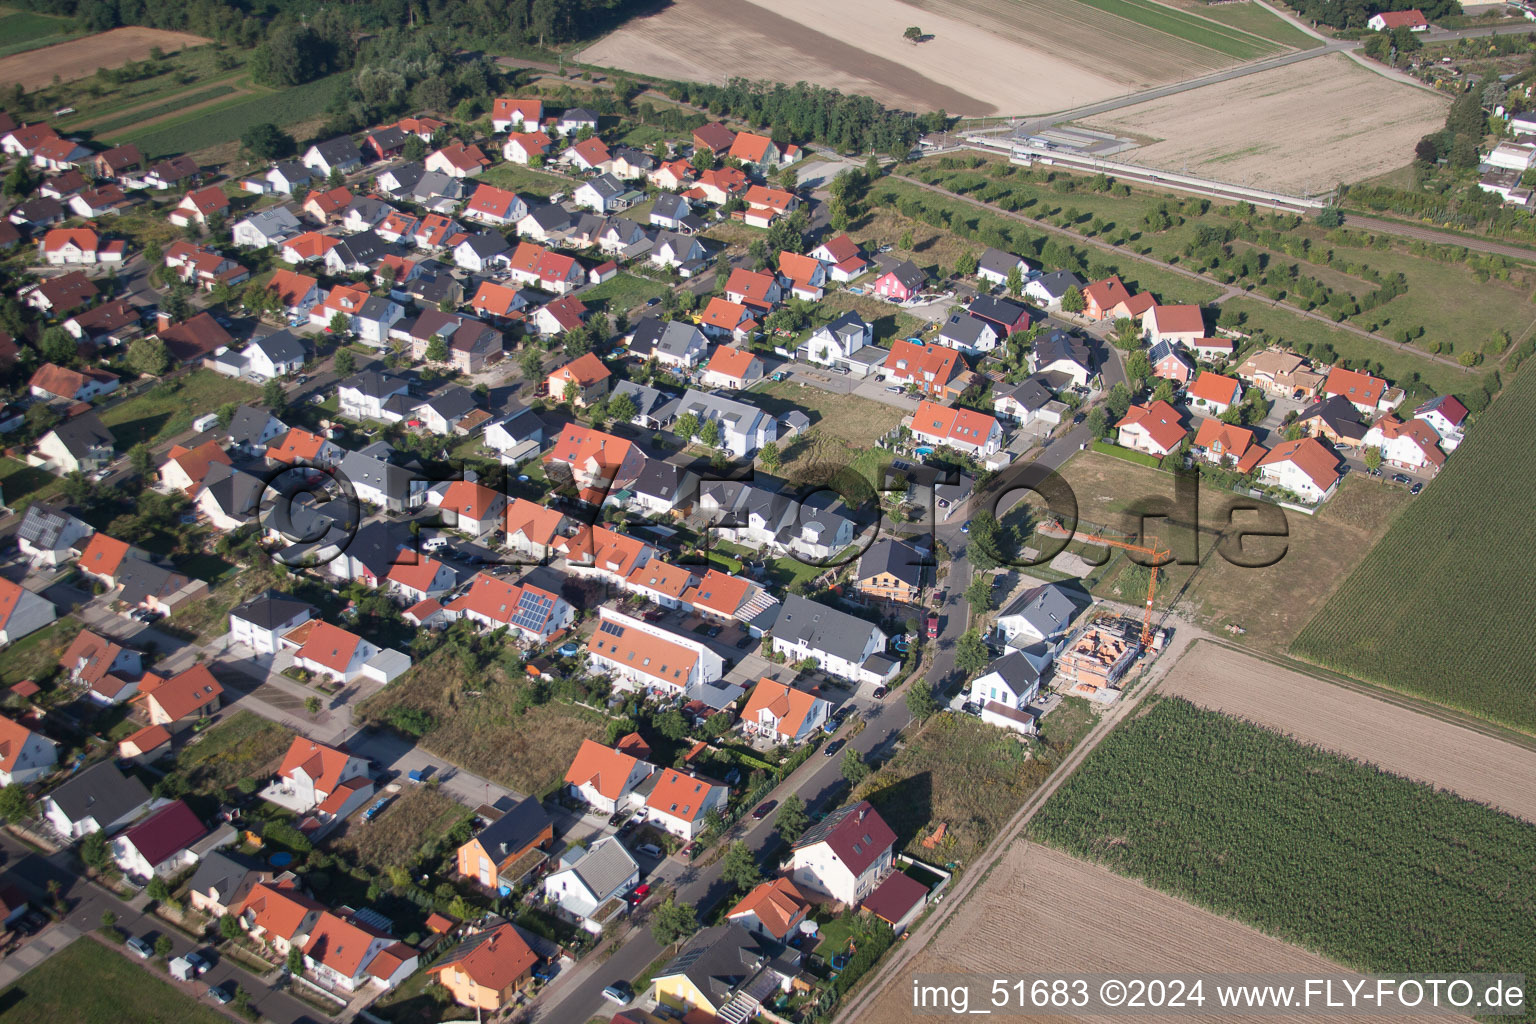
(432, 544)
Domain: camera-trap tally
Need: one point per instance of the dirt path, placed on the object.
(92, 120)
(1356, 724)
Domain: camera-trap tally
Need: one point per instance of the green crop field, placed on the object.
(221, 123)
(170, 106)
(24, 30)
(1256, 20)
(1441, 607)
(1195, 28)
(1378, 872)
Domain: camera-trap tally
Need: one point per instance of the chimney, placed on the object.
(162, 320)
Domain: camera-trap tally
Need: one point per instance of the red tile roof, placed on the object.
(1310, 456)
(185, 692)
(327, 645)
(681, 796)
(102, 555)
(731, 362)
(664, 660)
(1159, 419)
(291, 288)
(340, 944)
(1213, 387)
(778, 904)
(13, 735)
(278, 909)
(584, 370)
(749, 147)
(165, 833)
(504, 107)
(323, 764)
(963, 425)
(1359, 388)
(493, 959)
(1180, 319)
(604, 769)
(296, 445)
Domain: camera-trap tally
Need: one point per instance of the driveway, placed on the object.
(871, 387)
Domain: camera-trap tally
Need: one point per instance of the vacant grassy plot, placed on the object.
(419, 814)
(1319, 550)
(1440, 607)
(221, 123)
(22, 484)
(36, 656)
(484, 721)
(528, 180)
(88, 983)
(244, 745)
(1249, 823)
(622, 293)
(888, 320)
(170, 406)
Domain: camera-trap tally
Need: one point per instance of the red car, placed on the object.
(933, 627)
(641, 892)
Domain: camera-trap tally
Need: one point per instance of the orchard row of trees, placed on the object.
(804, 112)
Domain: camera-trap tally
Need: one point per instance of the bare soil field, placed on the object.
(1043, 910)
(857, 46)
(1358, 725)
(79, 58)
(1307, 125)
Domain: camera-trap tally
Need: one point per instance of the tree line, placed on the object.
(1355, 13)
(802, 112)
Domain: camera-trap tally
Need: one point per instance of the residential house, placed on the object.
(1214, 350)
(672, 175)
(1025, 402)
(472, 345)
(1153, 428)
(1008, 686)
(385, 142)
(204, 268)
(96, 799)
(641, 656)
(662, 488)
(199, 206)
(836, 341)
(57, 383)
(1003, 316)
(1040, 613)
(419, 579)
(1224, 444)
(185, 468)
(277, 914)
(680, 345)
(964, 430)
(996, 266)
(773, 909)
(109, 324)
(744, 429)
(276, 355)
(102, 557)
(1048, 289)
(782, 714)
(59, 296)
(725, 973)
(522, 147)
(585, 379)
(145, 745)
(1063, 355)
(518, 435)
(1386, 21)
(968, 334)
(671, 212)
(342, 954)
(495, 206)
(536, 265)
(339, 154)
(935, 371)
(1362, 390)
(804, 276)
(80, 444)
(604, 778)
(320, 648)
(301, 447)
(288, 176)
(891, 570)
(1170, 363)
(680, 803)
(732, 369)
(458, 160)
(842, 258)
(1306, 468)
(509, 112)
(592, 460)
(194, 339)
(309, 247)
(488, 970)
(842, 645)
(532, 612)
(104, 667)
(845, 855)
(1281, 374)
(532, 529)
(73, 246)
(194, 693)
(591, 156)
(118, 161)
(588, 886)
(1411, 444)
(1447, 417)
(714, 137)
(160, 845)
(267, 227)
(25, 756)
(261, 621)
(719, 186)
(507, 850)
(678, 250)
(49, 535)
(1177, 325)
(603, 193)
(222, 882)
(1214, 394)
(723, 318)
(473, 508)
(321, 784)
(1109, 299)
(327, 206)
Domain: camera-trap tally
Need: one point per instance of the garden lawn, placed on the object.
(36, 656)
(169, 407)
(87, 983)
(21, 484)
(527, 179)
(244, 745)
(622, 293)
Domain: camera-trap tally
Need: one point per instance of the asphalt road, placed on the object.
(87, 901)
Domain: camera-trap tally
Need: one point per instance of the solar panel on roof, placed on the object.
(612, 628)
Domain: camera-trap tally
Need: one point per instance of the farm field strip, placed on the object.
(1248, 822)
(150, 113)
(224, 122)
(79, 58)
(1440, 607)
(1358, 725)
(22, 31)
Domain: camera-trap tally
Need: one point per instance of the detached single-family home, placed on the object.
(1306, 468)
(782, 714)
(1214, 394)
(339, 154)
(458, 160)
(323, 649)
(744, 429)
(835, 341)
(53, 382)
(70, 246)
(260, 622)
(732, 369)
(1447, 417)
(680, 344)
(680, 803)
(1225, 444)
(725, 970)
(588, 886)
(996, 266)
(759, 151)
(594, 461)
(1048, 289)
(347, 955)
(194, 693)
(1363, 391)
(1042, 613)
(773, 909)
(522, 147)
(488, 970)
(1006, 688)
(1411, 444)
(968, 334)
(902, 282)
(715, 137)
(1153, 428)
(1177, 325)
(845, 855)
(891, 570)
(199, 205)
(601, 194)
(585, 378)
(964, 430)
(1413, 20)
(321, 782)
(496, 206)
(81, 443)
(1170, 363)
(508, 849)
(1062, 353)
(842, 258)
(160, 845)
(605, 778)
(1109, 299)
(98, 799)
(473, 508)
(277, 914)
(268, 227)
(509, 112)
(222, 881)
(841, 644)
(49, 535)
(723, 318)
(935, 371)
(1005, 317)
(103, 666)
(25, 756)
(1024, 403)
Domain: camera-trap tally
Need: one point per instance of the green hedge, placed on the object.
(1115, 451)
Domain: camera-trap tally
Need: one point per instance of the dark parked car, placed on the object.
(744, 643)
(1415, 489)
(763, 808)
(880, 692)
(1399, 478)
(970, 707)
(833, 747)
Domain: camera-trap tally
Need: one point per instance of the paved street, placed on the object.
(87, 901)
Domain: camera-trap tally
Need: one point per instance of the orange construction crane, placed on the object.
(1151, 549)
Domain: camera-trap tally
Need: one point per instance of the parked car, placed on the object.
(140, 947)
(221, 994)
(1399, 478)
(712, 631)
(641, 892)
(895, 389)
(744, 642)
(650, 850)
(833, 747)
(199, 963)
(1415, 489)
(970, 707)
(618, 992)
(763, 808)
(880, 692)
